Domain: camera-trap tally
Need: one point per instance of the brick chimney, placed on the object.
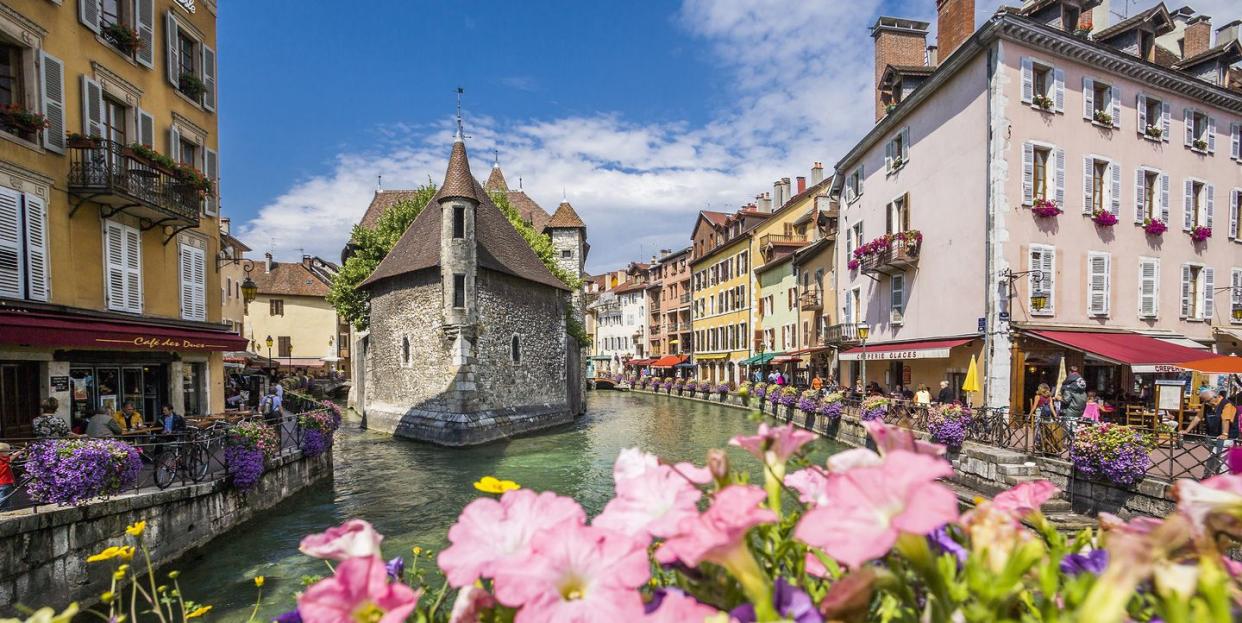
(955, 22)
(817, 173)
(801, 185)
(897, 42)
(777, 201)
(1198, 36)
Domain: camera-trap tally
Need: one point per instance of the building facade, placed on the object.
(109, 208)
(291, 308)
(721, 282)
(234, 268)
(668, 304)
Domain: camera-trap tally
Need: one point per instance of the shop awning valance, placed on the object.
(786, 359)
(712, 357)
(928, 349)
(808, 351)
(639, 362)
(52, 330)
(668, 361)
(759, 360)
(1142, 353)
(601, 358)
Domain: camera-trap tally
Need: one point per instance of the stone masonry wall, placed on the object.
(43, 555)
(408, 307)
(568, 239)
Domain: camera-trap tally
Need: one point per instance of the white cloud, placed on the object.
(802, 73)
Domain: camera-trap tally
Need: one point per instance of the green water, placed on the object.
(413, 492)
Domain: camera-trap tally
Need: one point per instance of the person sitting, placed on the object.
(923, 396)
(945, 396)
(129, 418)
(171, 422)
(103, 425)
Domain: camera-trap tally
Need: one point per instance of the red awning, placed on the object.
(1129, 349)
(668, 361)
(930, 349)
(638, 362)
(61, 331)
(786, 359)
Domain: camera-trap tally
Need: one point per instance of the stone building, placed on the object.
(467, 341)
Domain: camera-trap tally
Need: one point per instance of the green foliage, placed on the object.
(540, 243)
(576, 330)
(370, 246)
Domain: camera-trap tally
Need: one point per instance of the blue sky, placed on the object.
(643, 112)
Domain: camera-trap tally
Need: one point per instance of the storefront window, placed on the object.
(108, 386)
(82, 381)
(192, 376)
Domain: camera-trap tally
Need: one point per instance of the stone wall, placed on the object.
(43, 554)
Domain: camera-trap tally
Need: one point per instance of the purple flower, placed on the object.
(831, 409)
(314, 442)
(292, 616)
(790, 602)
(396, 568)
(943, 541)
(1092, 562)
(73, 471)
(245, 465)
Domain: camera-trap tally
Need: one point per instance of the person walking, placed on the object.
(945, 395)
(270, 406)
(1220, 427)
(102, 424)
(1073, 398)
(8, 484)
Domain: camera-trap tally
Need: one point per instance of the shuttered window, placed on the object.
(1043, 174)
(1149, 288)
(1198, 296)
(1235, 214)
(52, 87)
(1042, 261)
(92, 108)
(193, 283)
(123, 267)
(23, 246)
(1235, 294)
(1098, 282)
(897, 297)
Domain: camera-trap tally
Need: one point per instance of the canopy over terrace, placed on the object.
(1143, 354)
(668, 361)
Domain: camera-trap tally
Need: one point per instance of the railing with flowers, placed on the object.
(890, 252)
(102, 166)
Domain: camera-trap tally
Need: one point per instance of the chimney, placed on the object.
(786, 188)
(306, 261)
(955, 22)
(777, 202)
(267, 262)
(1198, 36)
(897, 42)
(933, 56)
(1228, 33)
(817, 173)
(764, 202)
(801, 184)
(226, 225)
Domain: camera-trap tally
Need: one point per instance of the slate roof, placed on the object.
(500, 247)
(719, 219)
(383, 200)
(531, 212)
(496, 181)
(565, 218)
(289, 279)
(1209, 54)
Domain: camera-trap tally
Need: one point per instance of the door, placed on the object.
(153, 390)
(132, 391)
(19, 398)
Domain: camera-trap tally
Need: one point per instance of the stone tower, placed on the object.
(458, 272)
(568, 234)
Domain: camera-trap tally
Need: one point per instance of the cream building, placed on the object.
(291, 308)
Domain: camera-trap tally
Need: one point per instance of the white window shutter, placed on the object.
(1140, 197)
(1164, 198)
(1140, 106)
(1166, 125)
(92, 107)
(1088, 184)
(861, 175)
(1028, 80)
(37, 265)
(906, 145)
(1209, 294)
(174, 143)
(114, 266)
(172, 69)
(1235, 141)
(1188, 208)
(1189, 121)
(1028, 173)
(898, 293)
(1210, 212)
(187, 282)
(1114, 202)
(144, 14)
(1235, 298)
(888, 156)
(88, 14)
(133, 270)
(146, 129)
(1088, 98)
(1098, 283)
(11, 264)
(52, 89)
(211, 166)
(209, 78)
(1059, 89)
(1186, 291)
(1115, 107)
(1060, 175)
(1048, 267)
(1235, 197)
(1149, 280)
(1211, 135)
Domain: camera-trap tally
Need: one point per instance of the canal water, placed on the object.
(413, 492)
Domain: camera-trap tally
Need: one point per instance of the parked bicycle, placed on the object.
(190, 457)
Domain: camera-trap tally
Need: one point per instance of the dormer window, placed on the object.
(1147, 45)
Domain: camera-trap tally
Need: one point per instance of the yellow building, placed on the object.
(291, 309)
(109, 227)
(234, 269)
(720, 278)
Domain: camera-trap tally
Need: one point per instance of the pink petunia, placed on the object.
(868, 507)
(774, 444)
(675, 606)
(492, 533)
(470, 603)
(1218, 494)
(854, 457)
(1025, 498)
(890, 438)
(718, 532)
(358, 591)
(353, 539)
(653, 503)
(577, 574)
(810, 484)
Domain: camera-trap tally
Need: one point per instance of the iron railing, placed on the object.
(107, 168)
(841, 333)
(811, 299)
(898, 255)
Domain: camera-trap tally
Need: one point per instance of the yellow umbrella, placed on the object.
(971, 384)
(1060, 378)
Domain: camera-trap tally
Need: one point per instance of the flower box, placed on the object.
(1104, 218)
(1199, 144)
(1154, 132)
(122, 37)
(192, 86)
(78, 141)
(1111, 452)
(74, 471)
(1044, 208)
(1200, 233)
(1043, 102)
(18, 120)
(1154, 226)
(1102, 118)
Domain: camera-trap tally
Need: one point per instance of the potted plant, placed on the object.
(897, 162)
(122, 37)
(1102, 118)
(191, 85)
(1200, 233)
(947, 424)
(852, 264)
(74, 471)
(79, 141)
(743, 392)
(832, 405)
(874, 408)
(1199, 144)
(1043, 102)
(1045, 208)
(1111, 452)
(1104, 218)
(1154, 226)
(1153, 131)
(16, 119)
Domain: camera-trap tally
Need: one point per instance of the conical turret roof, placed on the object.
(496, 181)
(565, 218)
(458, 183)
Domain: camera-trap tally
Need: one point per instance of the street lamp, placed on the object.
(270, 372)
(863, 331)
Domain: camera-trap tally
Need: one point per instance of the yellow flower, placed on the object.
(135, 529)
(125, 552)
(258, 581)
(48, 615)
(123, 568)
(417, 550)
(491, 484)
(108, 554)
(107, 597)
(174, 574)
(118, 575)
(198, 612)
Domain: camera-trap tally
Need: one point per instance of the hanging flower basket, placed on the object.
(74, 471)
(1104, 218)
(122, 37)
(1154, 226)
(1044, 208)
(947, 424)
(1200, 233)
(1102, 118)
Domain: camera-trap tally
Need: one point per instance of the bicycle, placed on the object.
(190, 455)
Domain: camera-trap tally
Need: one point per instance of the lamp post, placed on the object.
(270, 372)
(863, 331)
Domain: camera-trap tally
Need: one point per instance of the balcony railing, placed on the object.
(109, 174)
(841, 334)
(685, 299)
(654, 330)
(811, 299)
(782, 239)
(899, 255)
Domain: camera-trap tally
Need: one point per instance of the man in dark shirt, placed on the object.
(945, 396)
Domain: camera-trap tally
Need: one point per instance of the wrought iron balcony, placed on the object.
(685, 299)
(782, 239)
(654, 330)
(900, 254)
(841, 334)
(112, 176)
(810, 300)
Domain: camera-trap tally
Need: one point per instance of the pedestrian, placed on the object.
(8, 484)
(1091, 412)
(102, 424)
(1041, 404)
(1220, 427)
(858, 388)
(171, 422)
(269, 407)
(945, 395)
(1073, 397)
(49, 425)
(817, 383)
(923, 396)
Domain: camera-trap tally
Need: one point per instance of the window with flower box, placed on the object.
(897, 151)
(1043, 174)
(191, 62)
(1101, 185)
(1101, 103)
(1198, 297)
(1043, 86)
(1198, 204)
(1153, 118)
(1151, 195)
(1200, 131)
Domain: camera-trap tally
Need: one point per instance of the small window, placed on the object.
(1151, 195)
(459, 222)
(189, 152)
(459, 291)
(284, 346)
(854, 185)
(1042, 80)
(1043, 157)
(566, 253)
(276, 307)
(112, 12)
(515, 350)
(1147, 46)
(1154, 114)
(1102, 99)
(405, 350)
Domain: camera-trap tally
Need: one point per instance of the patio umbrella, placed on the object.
(971, 384)
(1060, 378)
(1215, 365)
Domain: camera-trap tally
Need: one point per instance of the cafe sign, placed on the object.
(896, 355)
(162, 343)
(187, 5)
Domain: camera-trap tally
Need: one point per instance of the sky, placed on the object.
(639, 113)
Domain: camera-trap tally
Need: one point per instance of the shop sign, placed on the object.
(983, 324)
(162, 343)
(895, 355)
(1160, 368)
(59, 383)
(187, 5)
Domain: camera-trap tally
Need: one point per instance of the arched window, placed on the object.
(515, 350)
(405, 351)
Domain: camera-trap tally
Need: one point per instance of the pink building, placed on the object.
(1137, 122)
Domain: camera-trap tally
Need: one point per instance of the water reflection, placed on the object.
(413, 492)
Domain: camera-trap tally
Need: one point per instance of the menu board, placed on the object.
(1169, 394)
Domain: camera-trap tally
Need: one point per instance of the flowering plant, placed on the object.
(1111, 451)
(1104, 218)
(809, 401)
(74, 471)
(1045, 208)
(1199, 144)
(256, 436)
(123, 37)
(1154, 226)
(1153, 131)
(761, 390)
(1102, 118)
(874, 408)
(191, 85)
(317, 429)
(16, 118)
(852, 264)
(832, 405)
(743, 389)
(248, 444)
(789, 395)
(1200, 233)
(909, 239)
(723, 389)
(948, 423)
(1042, 101)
